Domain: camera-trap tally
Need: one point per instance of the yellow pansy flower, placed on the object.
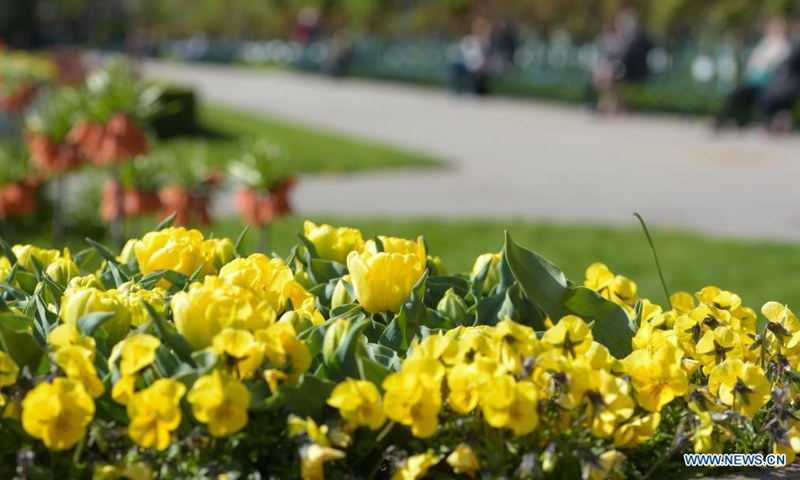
(382, 282)
(123, 390)
(657, 378)
(76, 363)
(221, 402)
(333, 243)
(239, 351)
(282, 347)
(58, 413)
(137, 352)
(9, 371)
(416, 467)
(359, 403)
(412, 401)
(312, 459)
(741, 386)
(636, 430)
(571, 335)
(155, 413)
(506, 403)
(716, 346)
(463, 460)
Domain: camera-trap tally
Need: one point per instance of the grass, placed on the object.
(311, 150)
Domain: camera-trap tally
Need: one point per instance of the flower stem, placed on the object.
(655, 257)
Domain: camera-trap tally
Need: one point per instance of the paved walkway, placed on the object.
(525, 159)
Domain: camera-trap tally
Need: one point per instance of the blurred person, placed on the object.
(624, 47)
(340, 51)
(760, 70)
(306, 29)
(503, 46)
(778, 97)
(470, 72)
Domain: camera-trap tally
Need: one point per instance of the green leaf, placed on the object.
(307, 399)
(19, 343)
(405, 325)
(83, 257)
(173, 339)
(547, 287)
(324, 271)
(91, 321)
(167, 222)
(345, 361)
(7, 251)
(103, 251)
(312, 249)
(239, 246)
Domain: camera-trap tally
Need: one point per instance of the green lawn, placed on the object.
(758, 271)
(310, 149)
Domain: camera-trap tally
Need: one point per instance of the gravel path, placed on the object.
(524, 159)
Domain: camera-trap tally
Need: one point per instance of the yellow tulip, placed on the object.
(58, 413)
(268, 278)
(218, 252)
(26, 253)
(62, 270)
(383, 282)
(333, 243)
(221, 402)
(398, 245)
(209, 307)
(174, 248)
(78, 302)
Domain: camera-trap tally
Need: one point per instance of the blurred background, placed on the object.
(456, 119)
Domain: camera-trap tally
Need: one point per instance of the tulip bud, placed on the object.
(340, 294)
(333, 338)
(452, 307)
(436, 266)
(299, 321)
(493, 276)
(62, 271)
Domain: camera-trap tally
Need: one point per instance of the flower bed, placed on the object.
(183, 357)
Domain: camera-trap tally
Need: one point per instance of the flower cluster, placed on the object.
(182, 356)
